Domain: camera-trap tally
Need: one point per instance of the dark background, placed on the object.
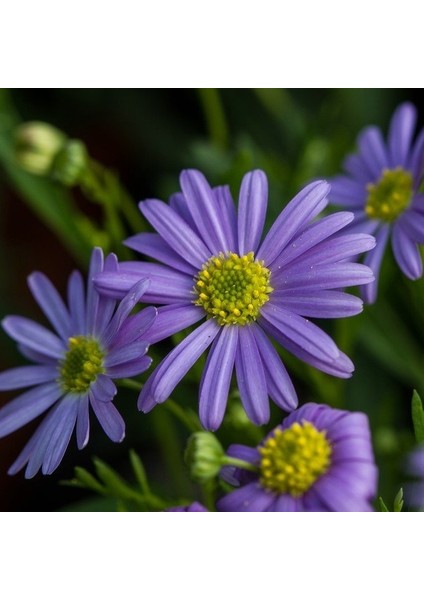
(148, 136)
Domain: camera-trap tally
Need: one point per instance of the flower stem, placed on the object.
(238, 462)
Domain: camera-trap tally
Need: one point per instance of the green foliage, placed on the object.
(418, 417)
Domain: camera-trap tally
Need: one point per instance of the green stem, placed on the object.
(214, 115)
(238, 462)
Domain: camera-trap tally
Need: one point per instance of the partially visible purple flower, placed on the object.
(318, 460)
(381, 187)
(215, 268)
(94, 342)
(194, 507)
(414, 490)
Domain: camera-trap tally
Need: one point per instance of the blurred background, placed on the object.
(147, 137)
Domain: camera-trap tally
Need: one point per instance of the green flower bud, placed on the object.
(204, 455)
(70, 163)
(36, 145)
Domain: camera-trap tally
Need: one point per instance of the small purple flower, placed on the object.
(194, 507)
(93, 344)
(414, 490)
(318, 460)
(382, 189)
(216, 269)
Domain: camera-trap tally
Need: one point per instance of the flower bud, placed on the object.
(36, 145)
(204, 456)
(69, 163)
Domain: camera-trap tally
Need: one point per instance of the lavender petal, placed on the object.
(347, 192)
(22, 377)
(322, 277)
(324, 304)
(216, 378)
(103, 389)
(129, 369)
(76, 302)
(96, 266)
(249, 498)
(373, 150)
(34, 336)
(229, 217)
(373, 261)
(109, 418)
(172, 319)
(83, 423)
(406, 253)
(253, 201)
(123, 354)
(50, 303)
(59, 440)
(152, 245)
(400, 134)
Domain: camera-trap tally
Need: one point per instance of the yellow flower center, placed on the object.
(82, 364)
(232, 288)
(389, 197)
(293, 459)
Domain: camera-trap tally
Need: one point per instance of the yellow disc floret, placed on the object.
(389, 197)
(232, 288)
(294, 458)
(82, 364)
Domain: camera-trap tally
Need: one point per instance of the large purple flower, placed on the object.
(382, 189)
(215, 268)
(93, 344)
(318, 459)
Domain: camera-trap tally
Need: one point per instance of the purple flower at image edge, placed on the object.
(318, 460)
(414, 490)
(381, 187)
(95, 341)
(216, 269)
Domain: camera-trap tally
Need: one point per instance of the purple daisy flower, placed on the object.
(215, 268)
(382, 189)
(93, 344)
(414, 490)
(318, 460)
(194, 507)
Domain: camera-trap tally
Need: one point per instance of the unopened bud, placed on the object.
(70, 163)
(204, 456)
(36, 146)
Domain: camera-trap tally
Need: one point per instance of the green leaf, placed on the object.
(398, 501)
(382, 507)
(418, 417)
(84, 479)
(114, 483)
(139, 472)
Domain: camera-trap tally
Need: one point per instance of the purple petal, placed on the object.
(96, 266)
(412, 222)
(373, 261)
(216, 378)
(406, 253)
(279, 384)
(76, 302)
(347, 192)
(205, 210)
(321, 277)
(166, 285)
(124, 308)
(172, 319)
(359, 477)
(229, 217)
(300, 333)
(59, 440)
(136, 327)
(339, 367)
(321, 304)
(124, 354)
(178, 362)
(178, 202)
(235, 475)
(21, 377)
(333, 494)
(253, 201)
(249, 498)
(356, 167)
(50, 303)
(83, 423)
(400, 134)
(109, 418)
(285, 503)
(175, 231)
(37, 357)
(103, 389)
(363, 224)
(313, 503)
(373, 150)
(34, 336)
(306, 205)
(251, 378)
(152, 245)
(106, 305)
(129, 369)
(330, 251)
(27, 407)
(308, 412)
(417, 160)
(311, 236)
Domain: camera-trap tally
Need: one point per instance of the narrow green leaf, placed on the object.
(139, 472)
(84, 479)
(382, 507)
(114, 483)
(417, 417)
(398, 501)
